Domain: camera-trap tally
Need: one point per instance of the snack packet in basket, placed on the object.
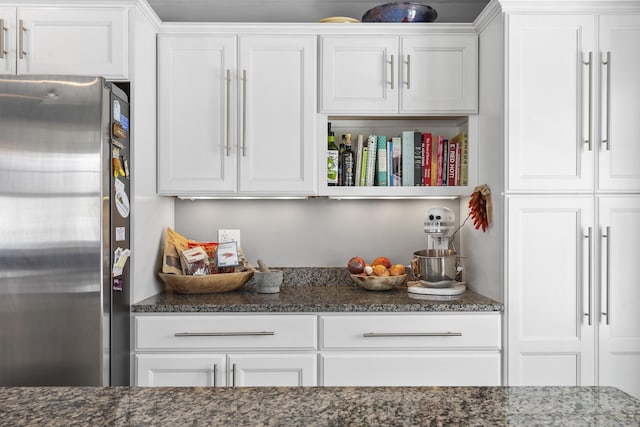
(174, 243)
(195, 261)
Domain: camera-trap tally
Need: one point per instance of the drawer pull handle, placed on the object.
(222, 334)
(411, 334)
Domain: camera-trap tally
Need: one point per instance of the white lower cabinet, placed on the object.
(346, 349)
(390, 368)
(180, 370)
(432, 349)
(225, 350)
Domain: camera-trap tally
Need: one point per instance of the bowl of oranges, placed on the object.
(380, 275)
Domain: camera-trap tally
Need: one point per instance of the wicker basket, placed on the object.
(210, 283)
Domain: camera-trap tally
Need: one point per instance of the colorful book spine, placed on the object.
(458, 162)
(451, 163)
(434, 160)
(390, 162)
(440, 159)
(363, 172)
(397, 161)
(358, 151)
(418, 154)
(464, 161)
(382, 161)
(407, 158)
(371, 159)
(428, 153)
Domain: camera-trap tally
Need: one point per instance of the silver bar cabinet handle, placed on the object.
(589, 278)
(393, 72)
(607, 312)
(233, 375)
(244, 112)
(607, 103)
(223, 334)
(21, 32)
(411, 334)
(215, 374)
(408, 62)
(589, 63)
(3, 47)
(228, 145)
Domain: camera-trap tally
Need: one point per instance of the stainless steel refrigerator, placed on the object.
(64, 216)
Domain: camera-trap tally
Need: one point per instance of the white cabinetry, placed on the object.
(619, 295)
(219, 350)
(236, 114)
(373, 74)
(571, 260)
(408, 349)
(552, 317)
(65, 40)
(263, 349)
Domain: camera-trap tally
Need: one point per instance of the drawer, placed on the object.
(409, 331)
(223, 332)
(427, 368)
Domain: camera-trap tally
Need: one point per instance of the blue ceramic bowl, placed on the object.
(400, 12)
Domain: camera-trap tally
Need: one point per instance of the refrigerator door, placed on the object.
(118, 210)
(53, 323)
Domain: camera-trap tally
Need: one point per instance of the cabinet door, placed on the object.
(272, 370)
(180, 370)
(196, 99)
(7, 40)
(277, 114)
(411, 369)
(358, 74)
(550, 291)
(548, 112)
(86, 41)
(620, 102)
(439, 74)
(619, 326)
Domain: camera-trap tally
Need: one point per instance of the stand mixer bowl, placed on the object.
(436, 266)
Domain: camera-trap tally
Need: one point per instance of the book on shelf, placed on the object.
(435, 141)
(451, 163)
(358, 151)
(462, 158)
(441, 159)
(407, 158)
(426, 163)
(362, 178)
(372, 142)
(396, 164)
(389, 161)
(382, 161)
(418, 155)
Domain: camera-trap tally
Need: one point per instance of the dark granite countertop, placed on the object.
(318, 406)
(328, 298)
(314, 290)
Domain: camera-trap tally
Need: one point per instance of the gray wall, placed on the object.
(314, 232)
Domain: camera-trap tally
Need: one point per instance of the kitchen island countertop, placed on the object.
(318, 406)
(321, 298)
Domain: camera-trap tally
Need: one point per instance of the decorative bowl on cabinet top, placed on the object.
(400, 12)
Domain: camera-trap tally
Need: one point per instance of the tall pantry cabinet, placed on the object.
(572, 193)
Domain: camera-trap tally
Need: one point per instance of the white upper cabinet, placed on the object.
(439, 74)
(236, 114)
(65, 40)
(390, 75)
(619, 62)
(278, 80)
(573, 100)
(548, 102)
(196, 110)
